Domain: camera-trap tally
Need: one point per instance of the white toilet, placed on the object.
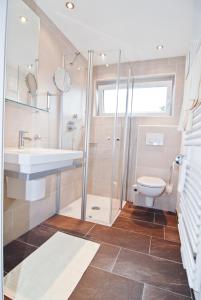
(151, 187)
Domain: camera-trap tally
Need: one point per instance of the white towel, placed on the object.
(189, 124)
(186, 104)
(192, 91)
(195, 77)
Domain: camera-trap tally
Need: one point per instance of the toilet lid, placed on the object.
(151, 181)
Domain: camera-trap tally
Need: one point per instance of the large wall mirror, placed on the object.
(23, 30)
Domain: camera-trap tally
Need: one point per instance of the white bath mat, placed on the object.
(52, 271)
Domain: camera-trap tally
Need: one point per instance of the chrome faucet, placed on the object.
(22, 138)
(37, 137)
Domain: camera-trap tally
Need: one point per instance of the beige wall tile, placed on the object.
(41, 210)
(21, 220)
(8, 226)
(144, 160)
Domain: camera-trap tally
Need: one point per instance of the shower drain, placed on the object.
(95, 208)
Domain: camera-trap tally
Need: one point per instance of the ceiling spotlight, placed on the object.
(107, 65)
(103, 55)
(29, 67)
(70, 5)
(78, 68)
(159, 47)
(23, 19)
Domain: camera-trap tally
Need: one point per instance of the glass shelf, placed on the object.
(27, 105)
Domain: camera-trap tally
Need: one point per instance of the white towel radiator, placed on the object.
(190, 204)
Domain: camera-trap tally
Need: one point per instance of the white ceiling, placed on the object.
(134, 26)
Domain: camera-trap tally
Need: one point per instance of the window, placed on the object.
(151, 96)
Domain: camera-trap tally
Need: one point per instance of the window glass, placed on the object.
(150, 97)
(110, 100)
(150, 100)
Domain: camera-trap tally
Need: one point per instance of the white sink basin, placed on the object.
(34, 160)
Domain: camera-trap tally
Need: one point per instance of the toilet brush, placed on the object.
(169, 186)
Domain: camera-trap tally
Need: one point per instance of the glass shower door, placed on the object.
(104, 130)
(96, 125)
(120, 148)
(72, 131)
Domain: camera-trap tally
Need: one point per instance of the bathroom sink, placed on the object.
(36, 160)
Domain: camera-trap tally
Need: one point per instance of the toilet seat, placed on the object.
(152, 182)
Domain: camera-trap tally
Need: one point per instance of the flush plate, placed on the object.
(155, 139)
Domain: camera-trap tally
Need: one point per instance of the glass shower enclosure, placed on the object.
(99, 186)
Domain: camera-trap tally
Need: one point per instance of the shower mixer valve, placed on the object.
(71, 126)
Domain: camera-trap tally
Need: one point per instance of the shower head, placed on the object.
(74, 58)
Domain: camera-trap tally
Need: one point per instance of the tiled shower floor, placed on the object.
(98, 209)
(139, 257)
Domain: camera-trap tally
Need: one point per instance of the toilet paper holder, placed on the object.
(179, 159)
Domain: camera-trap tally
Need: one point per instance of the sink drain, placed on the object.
(95, 208)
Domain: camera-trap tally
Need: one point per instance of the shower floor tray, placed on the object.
(98, 209)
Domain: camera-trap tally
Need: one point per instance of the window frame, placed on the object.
(140, 81)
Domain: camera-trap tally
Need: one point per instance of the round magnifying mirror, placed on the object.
(31, 84)
(62, 80)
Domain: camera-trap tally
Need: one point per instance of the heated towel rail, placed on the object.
(190, 204)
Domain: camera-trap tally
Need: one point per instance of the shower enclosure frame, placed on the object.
(3, 18)
(115, 137)
(88, 116)
(127, 138)
(117, 178)
(88, 112)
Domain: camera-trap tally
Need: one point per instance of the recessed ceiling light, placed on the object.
(70, 5)
(78, 68)
(103, 55)
(159, 47)
(29, 67)
(107, 65)
(23, 19)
